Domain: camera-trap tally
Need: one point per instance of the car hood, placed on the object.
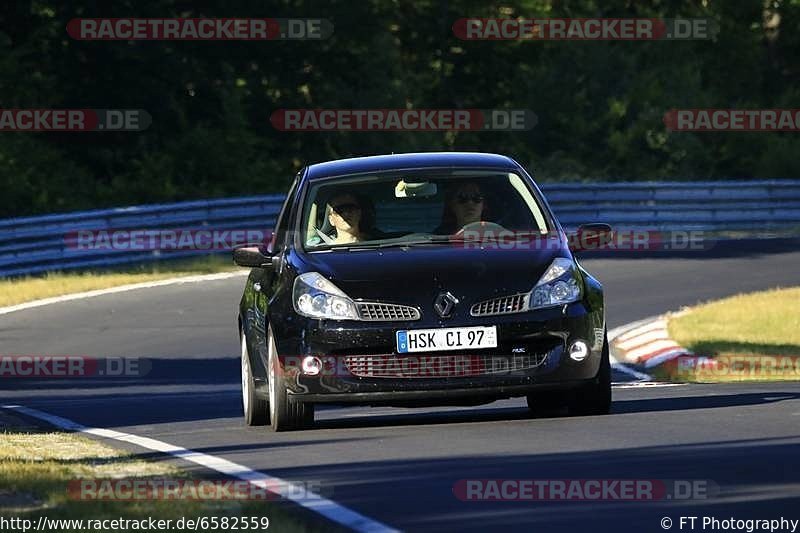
(406, 274)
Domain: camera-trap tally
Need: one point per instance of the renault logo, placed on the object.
(444, 304)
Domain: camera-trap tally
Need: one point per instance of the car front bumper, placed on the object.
(361, 363)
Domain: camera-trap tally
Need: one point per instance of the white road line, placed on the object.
(666, 356)
(645, 384)
(306, 499)
(121, 288)
(625, 369)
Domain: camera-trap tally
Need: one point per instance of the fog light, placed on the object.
(578, 351)
(312, 366)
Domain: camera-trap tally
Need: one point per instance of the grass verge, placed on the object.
(36, 469)
(28, 288)
(748, 337)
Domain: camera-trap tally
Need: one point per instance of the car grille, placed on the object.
(378, 311)
(501, 306)
(439, 366)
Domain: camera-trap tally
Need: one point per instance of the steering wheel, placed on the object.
(481, 227)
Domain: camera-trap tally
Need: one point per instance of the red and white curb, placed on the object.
(613, 334)
(644, 344)
(647, 343)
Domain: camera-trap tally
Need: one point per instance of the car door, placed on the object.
(261, 284)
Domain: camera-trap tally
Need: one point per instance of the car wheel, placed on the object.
(284, 414)
(594, 398)
(256, 410)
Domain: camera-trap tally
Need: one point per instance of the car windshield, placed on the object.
(417, 208)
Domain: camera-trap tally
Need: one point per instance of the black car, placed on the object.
(418, 279)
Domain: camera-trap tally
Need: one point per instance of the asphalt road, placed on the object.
(400, 466)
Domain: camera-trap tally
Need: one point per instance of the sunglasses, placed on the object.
(474, 198)
(346, 208)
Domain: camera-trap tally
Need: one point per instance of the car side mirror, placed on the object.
(594, 236)
(251, 256)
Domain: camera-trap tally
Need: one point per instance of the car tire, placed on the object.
(284, 414)
(594, 398)
(256, 409)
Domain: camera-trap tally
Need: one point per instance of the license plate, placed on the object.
(439, 339)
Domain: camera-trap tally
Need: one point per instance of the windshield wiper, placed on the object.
(433, 240)
(404, 244)
(396, 244)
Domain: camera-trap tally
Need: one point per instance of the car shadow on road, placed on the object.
(117, 372)
(491, 414)
(685, 403)
(230, 450)
(745, 478)
(163, 399)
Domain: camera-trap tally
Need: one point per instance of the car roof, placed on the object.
(378, 163)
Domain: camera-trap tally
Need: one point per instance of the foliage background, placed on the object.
(600, 104)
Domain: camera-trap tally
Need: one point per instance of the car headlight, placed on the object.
(316, 297)
(558, 285)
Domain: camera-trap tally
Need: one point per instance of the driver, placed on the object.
(464, 204)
